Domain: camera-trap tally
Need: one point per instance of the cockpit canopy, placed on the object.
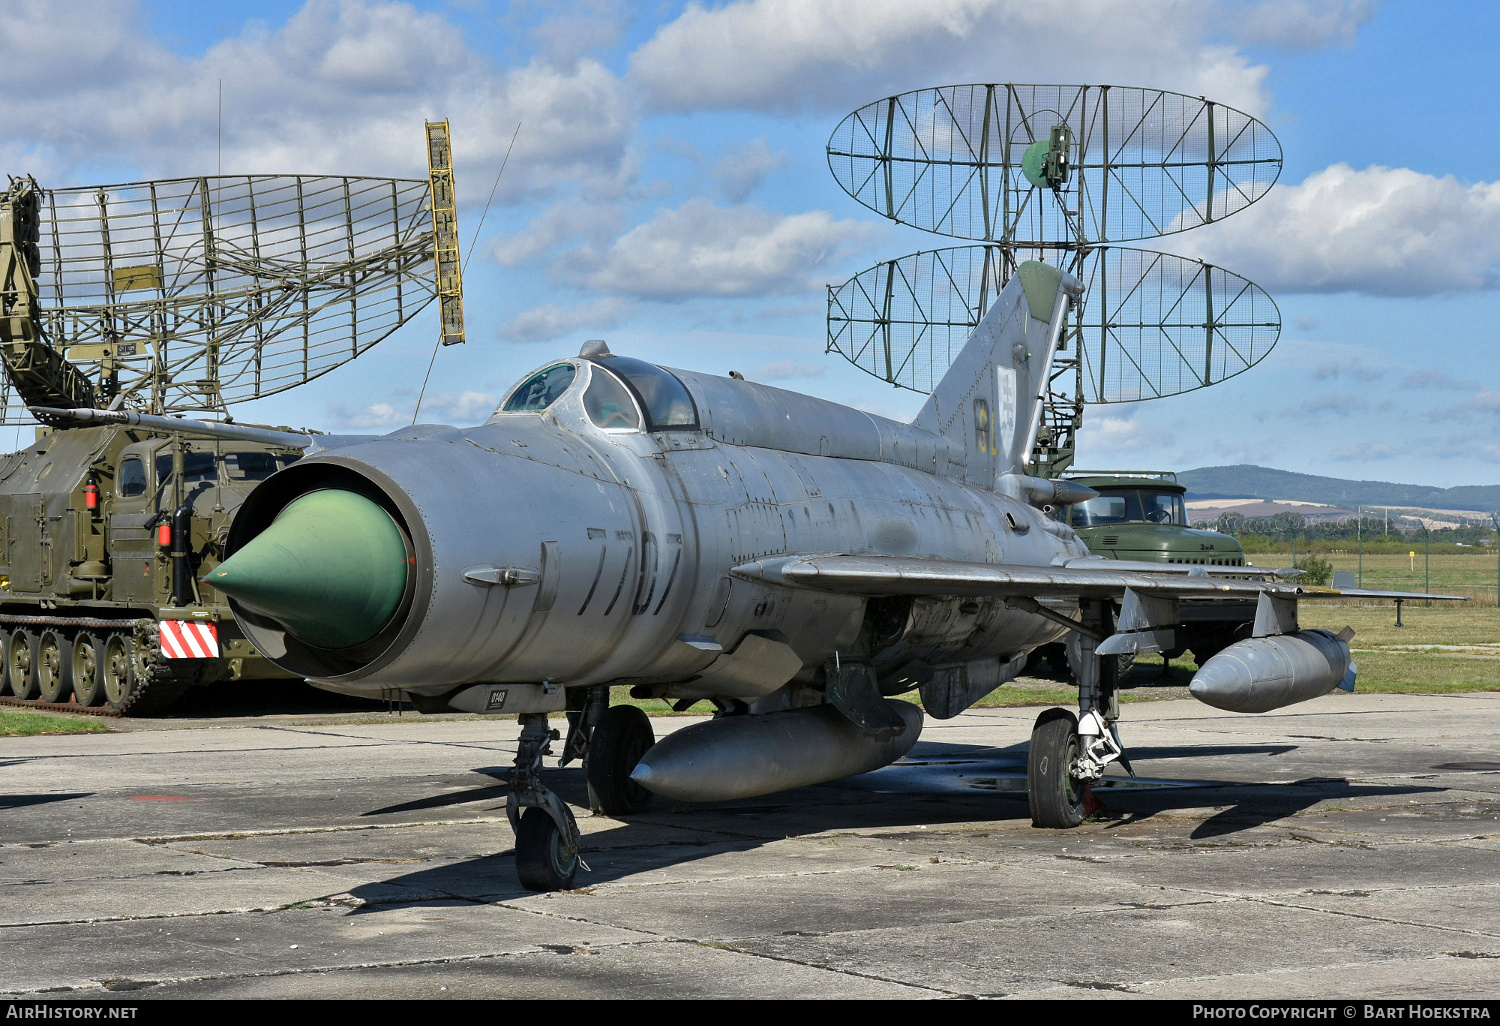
(540, 390)
(622, 394)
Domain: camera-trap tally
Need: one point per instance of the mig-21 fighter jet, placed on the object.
(795, 562)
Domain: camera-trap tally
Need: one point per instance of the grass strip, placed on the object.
(25, 723)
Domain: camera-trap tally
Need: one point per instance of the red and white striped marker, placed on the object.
(183, 639)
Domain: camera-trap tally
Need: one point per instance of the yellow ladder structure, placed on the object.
(450, 279)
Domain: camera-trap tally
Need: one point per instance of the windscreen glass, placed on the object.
(1133, 506)
(132, 478)
(540, 390)
(667, 403)
(197, 466)
(255, 466)
(608, 402)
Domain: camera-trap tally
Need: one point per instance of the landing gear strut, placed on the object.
(1069, 753)
(546, 833)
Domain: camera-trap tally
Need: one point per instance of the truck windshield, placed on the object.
(238, 466)
(1131, 506)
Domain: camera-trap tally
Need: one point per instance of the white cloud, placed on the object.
(375, 415)
(1301, 24)
(1488, 400)
(1341, 404)
(342, 87)
(1368, 451)
(1117, 434)
(700, 249)
(550, 321)
(828, 54)
(557, 224)
(741, 169)
(1348, 369)
(468, 407)
(1387, 231)
(1436, 379)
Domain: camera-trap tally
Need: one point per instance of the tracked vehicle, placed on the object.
(124, 307)
(106, 531)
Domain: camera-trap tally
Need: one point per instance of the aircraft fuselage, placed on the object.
(545, 547)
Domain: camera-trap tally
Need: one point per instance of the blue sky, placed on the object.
(669, 190)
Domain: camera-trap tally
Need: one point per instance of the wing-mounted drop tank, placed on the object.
(1279, 666)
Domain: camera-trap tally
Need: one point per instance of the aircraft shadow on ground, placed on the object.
(21, 801)
(637, 844)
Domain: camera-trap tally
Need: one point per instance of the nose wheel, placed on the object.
(547, 835)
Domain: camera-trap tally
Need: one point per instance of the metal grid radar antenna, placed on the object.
(1058, 173)
(189, 294)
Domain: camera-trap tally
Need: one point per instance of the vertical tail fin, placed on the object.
(990, 401)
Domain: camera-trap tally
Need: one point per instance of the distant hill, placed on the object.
(1250, 482)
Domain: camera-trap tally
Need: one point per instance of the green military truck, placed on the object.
(1140, 515)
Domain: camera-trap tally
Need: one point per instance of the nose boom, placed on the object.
(331, 569)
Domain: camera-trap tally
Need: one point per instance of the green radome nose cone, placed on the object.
(331, 569)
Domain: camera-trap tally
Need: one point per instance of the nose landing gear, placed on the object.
(547, 835)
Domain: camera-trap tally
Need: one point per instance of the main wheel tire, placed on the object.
(1055, 795)
(622, 735)
(543, 861)
(21, 660)
(54, 669)
(88, 669)
(118, 670)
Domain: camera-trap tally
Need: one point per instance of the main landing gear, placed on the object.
(1069, 753)
(610, 741)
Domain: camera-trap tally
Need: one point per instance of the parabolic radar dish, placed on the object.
(971, 161)
(188, 294)
(1153, 325)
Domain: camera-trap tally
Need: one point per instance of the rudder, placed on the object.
(990, 400)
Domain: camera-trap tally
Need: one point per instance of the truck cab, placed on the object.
(1140, 515)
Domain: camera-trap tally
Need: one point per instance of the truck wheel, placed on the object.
(21, 660)
(4, 663)
(1056, 798)
(88, 670)
(119, 670)
(622, 735)
(54, 668)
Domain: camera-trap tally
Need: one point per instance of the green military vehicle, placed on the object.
(1140, 515)
(124, 308)
(105, 533)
